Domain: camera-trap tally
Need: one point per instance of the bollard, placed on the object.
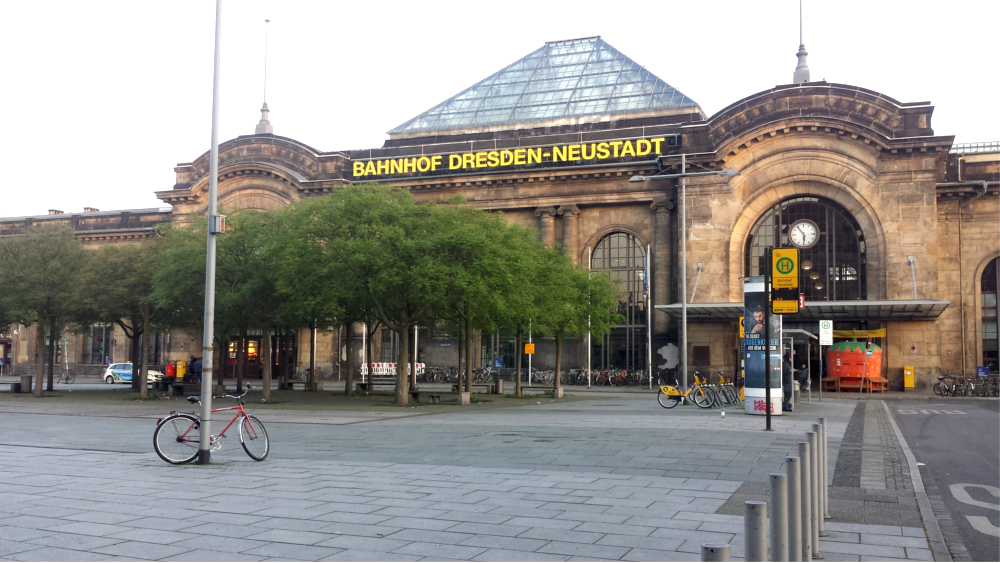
(814, 507)
(805, 523)
(793, 468)
(715, 552)
(779, 517)
(826, 468)
(820, 501)
(755, 531)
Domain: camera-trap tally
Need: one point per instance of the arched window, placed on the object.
(624, 259)
(832, 266)
(991, 338)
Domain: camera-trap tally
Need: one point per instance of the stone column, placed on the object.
(546, 227)
(571, 232)
(662, 262)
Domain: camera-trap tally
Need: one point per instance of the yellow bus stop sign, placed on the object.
(785, 268)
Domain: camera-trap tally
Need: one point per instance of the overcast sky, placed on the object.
(100, 100)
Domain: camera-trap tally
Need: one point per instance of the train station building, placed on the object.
(899, 226)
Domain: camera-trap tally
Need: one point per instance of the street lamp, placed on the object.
(727, 173)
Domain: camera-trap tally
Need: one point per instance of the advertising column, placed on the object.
(755, 349)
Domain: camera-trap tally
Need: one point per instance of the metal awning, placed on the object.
(887, 310)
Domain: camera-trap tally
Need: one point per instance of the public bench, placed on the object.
(842, 383)
(459, 387)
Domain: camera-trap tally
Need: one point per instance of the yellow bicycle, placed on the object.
(669, 396)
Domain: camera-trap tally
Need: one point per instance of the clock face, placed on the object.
(803, 234)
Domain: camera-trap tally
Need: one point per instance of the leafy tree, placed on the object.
(39, 278)
(572, 301)
(118, 284)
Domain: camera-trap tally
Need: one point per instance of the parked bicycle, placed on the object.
(176, 437)
(669, 396)
(66, 377)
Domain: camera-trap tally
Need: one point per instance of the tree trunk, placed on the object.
(556, 381)
(144, 356)
(134, 345)
(461, 345)
(265, 354)
(371, 348)
(468, 355)
(349, 344)
(402, 379)
(241, 359)
(52, 352)
(40, 357)
(517, 343)
(413, 370)
(312, 358)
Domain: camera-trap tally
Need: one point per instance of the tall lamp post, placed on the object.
(684, 175)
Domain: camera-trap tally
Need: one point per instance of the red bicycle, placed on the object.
(176, 436)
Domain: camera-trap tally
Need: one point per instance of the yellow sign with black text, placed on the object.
(785, 269)
(785, 306)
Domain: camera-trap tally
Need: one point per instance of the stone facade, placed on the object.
(908, 189)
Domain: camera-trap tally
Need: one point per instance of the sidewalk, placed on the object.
(615, 478)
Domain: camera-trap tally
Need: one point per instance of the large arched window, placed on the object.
(989, 285)
(624, 259)
(832, 266)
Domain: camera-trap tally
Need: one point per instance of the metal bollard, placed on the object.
(794, 470)
(826, 468)
(715, 552)
(805, 524)
(814, 507)
(755, 530)
(779, 517)
(820, 501)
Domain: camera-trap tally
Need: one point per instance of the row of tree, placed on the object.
(364, 254)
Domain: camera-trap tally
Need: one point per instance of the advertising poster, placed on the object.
(756, 364)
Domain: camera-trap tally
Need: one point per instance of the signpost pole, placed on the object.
(767, 342)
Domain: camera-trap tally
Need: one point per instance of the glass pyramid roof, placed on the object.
(566, 81)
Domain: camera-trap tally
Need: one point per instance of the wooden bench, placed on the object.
(871, 384)
(185, 389)
(459, 387)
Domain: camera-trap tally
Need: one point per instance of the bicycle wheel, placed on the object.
(667, 401)
(253, 436)
(938, 388)
(176, 438)
(702, 397)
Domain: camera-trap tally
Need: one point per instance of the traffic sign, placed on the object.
(529, 348)
(826, 333)
(785, 306)
(785, 268)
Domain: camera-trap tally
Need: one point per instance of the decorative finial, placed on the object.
(264, 127)
(801, 74)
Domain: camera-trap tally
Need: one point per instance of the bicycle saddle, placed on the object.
(194, 399)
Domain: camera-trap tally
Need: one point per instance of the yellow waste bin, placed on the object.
(181, 370)
(908, 378)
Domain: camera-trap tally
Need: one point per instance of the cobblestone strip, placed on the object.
(936, 540)
(872, 456)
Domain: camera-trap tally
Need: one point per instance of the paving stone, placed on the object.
(142, 550)
(9, 546)
(504, 542)
(15, 534)
(899, 541)
(919, 554)
(87, 528)
(430, 536)
(660, 544)
(290, 536)
(639, 554)
(354, 555)
(561, 535)
(57, 554)
(511, 555)
(216, 529)
(74, 541)
(556, 524)
(209, 555)
(863, 528)
(437, 551)
(215, 543)
(293, 551)
(361, 543)
(839, 548)
(598, 552)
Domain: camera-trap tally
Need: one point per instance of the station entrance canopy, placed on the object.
(887, 310)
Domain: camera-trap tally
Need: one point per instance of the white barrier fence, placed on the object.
(378, 369)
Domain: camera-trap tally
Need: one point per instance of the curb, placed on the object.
(934, 536)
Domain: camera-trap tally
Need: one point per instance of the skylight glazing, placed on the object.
(561, 80)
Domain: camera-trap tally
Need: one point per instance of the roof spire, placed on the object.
(802, 69)
(264, 127)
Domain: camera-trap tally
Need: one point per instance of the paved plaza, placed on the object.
(611, 477)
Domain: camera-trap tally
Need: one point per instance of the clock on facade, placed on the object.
(803, 233)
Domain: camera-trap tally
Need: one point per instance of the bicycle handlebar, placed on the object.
(237, 397)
